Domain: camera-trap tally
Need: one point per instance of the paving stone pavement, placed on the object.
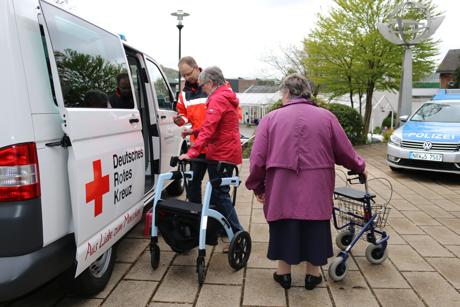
(423, 267)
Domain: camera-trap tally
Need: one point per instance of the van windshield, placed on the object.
(90, 61)
(438, 112)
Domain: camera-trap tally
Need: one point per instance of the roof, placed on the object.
(258, 99)
(262, 89)
(450, 62)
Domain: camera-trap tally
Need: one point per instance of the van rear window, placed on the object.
(90, 61)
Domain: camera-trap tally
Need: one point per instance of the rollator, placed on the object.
(357, 215)
(185, 225)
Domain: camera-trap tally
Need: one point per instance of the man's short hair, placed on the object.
(187, 60)
(212, 73)
(122, 76)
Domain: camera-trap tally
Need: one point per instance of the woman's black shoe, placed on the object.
(284, 280)
(312, 281)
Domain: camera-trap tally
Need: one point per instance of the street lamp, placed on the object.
(402, 29)
(180, 14)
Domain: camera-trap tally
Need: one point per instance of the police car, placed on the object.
(430, 139)
(85, 128)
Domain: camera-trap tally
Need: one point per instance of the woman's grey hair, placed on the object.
(212, 73)
(296, 85)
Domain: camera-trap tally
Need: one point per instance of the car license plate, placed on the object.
(425, 156)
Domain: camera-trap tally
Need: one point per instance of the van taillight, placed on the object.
(19, 177)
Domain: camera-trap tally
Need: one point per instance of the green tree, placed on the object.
(347, 54)
(81, 72)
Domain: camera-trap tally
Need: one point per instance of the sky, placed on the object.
(234, 35)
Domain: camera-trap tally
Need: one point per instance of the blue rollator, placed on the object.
(185, 225)
(357, 215)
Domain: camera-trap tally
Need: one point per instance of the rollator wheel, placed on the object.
(239, 250)
(154, 256)
(200, 267)
(376, 254)
(338, 269)
(343, 239)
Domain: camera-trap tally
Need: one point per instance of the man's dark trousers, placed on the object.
(194, 186)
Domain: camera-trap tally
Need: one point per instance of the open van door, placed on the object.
(101, 128)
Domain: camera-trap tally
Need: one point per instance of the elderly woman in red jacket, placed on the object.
(292, 173)
(220, 132)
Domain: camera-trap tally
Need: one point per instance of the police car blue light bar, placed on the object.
(122, 37)
(447, 94)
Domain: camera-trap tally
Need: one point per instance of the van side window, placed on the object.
(90, 61)
(164, 97)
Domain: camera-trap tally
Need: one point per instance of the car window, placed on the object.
(91, 63)
(164, 97)
(438, 112)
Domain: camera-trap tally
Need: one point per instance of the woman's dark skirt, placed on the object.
(295, 241)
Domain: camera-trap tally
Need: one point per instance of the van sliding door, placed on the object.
(102, 128)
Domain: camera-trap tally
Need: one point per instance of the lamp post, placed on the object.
(402, 29)
(180, 14)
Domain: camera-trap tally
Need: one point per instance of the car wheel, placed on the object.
(94, 279)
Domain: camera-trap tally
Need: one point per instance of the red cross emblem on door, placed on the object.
(97, 188)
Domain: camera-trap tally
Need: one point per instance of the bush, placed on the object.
(377, 130)
(348, 117)
(387, 134)
(350, 120)
(247, 148)
(387, 120)
(275, 106)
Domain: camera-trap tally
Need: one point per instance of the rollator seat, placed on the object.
(179, 206)
(352, 193)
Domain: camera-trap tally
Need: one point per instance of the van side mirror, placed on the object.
(404, 118)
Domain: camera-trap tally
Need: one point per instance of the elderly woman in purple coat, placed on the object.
(292, 173)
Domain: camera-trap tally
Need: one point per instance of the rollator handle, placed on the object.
(360, 177)
(175, 161)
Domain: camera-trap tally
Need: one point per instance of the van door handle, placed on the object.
(64, 142)
(133, 120)
(163, 116)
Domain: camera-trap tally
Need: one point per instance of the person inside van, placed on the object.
(95, 99)
(123, 96)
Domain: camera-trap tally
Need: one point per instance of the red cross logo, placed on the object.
(95, 189)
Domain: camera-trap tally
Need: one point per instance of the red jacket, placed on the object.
(220, 130)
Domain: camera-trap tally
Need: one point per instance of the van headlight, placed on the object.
(396, 140)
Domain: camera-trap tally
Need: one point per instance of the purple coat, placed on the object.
(293, 161)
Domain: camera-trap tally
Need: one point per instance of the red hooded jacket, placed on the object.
(220, 130)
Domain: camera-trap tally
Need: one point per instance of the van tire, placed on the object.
(176, 188)
(91, 282)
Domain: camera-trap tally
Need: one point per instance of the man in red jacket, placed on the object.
(220, 132)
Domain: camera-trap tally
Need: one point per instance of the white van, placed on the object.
(78, 156)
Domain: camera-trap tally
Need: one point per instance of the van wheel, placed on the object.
(176, 188)
(94, 279)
